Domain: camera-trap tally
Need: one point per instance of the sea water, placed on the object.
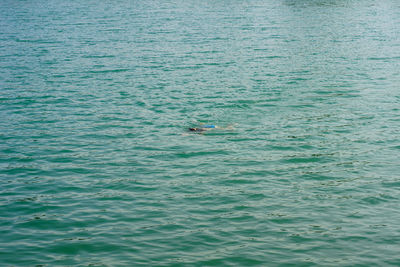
(98, 168)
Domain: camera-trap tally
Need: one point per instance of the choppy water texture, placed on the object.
(97, 166)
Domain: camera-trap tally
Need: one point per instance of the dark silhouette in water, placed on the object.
(196, 129)
(207, 127)
(203, 128)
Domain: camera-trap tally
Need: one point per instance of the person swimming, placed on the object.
(203, 128)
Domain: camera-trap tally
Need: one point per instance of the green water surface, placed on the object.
(97, 167)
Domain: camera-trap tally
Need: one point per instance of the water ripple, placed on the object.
(97, 166)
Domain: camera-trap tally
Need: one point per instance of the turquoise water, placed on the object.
(98, 168)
